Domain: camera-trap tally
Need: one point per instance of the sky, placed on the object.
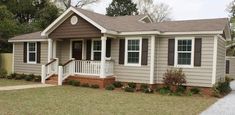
(182, 9)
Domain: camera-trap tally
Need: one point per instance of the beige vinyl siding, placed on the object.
(196, 76)
(63, 50)
(21, 67)
(221, 53)
(123, 73)
(231, 67)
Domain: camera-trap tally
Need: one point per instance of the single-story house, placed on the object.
(94, 47)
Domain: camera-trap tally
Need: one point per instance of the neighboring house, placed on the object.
(230, 62)
(125, 48)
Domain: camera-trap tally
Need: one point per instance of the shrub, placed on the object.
(143, 87)
(37, 78)
(148, 90)
(181, 89)
(95, 86)
(195, 90)
(29, 77)
(3, 73)
(129, 89)
(174, 77)
(117, 84)
(20, 76)
(132, 85)
(85, 85)
(165, 90)
(221, 88)
(74, 83)
(228, 79)
(11, 76)
(110, 87)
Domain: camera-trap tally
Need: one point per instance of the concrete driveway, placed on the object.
(224, 106)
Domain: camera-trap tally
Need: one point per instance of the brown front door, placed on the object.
(77, 50)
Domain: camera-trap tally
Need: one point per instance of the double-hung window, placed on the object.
(31, 52)
(96, 50)
(133, 51)
(184, 52)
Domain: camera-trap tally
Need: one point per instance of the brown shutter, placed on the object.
(121, 51)
(171, 51)
(197, 51)
(144, 55)
(88, 50)
(227, 66)
(38, 52)
(108, 47)
(25, 52)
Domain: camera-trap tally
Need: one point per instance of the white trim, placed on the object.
(147, 16)
(176, 52)
(192, 32)
(50, 49)
(71, 45)
(58, 20)
(31, 40)
(13, 58)
(54, 48)
(103, 56)
(214, 59)
(126, 53)
(152, 63)
(32, 62)
(139, 33)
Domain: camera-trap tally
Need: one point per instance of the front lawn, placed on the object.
(68, 100)
(10, 82)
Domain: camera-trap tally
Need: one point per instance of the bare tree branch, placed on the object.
(158, 12)
(79, 3)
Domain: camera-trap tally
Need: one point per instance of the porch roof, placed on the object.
(35, 36)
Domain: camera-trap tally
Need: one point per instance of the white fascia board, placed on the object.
(31, 40)
(139, 33)
(198, 32)
(147, 16)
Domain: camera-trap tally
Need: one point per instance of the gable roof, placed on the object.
(29, 37)
(131, 25)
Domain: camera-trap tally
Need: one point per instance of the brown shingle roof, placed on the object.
(34, 35)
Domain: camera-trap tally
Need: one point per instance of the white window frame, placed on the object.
(32, 62)
(126, 51)
(92, 48)
(177, 52)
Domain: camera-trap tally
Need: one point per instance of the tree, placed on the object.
(79, 3)
(231, 10)
(158, 12)
(121, 8)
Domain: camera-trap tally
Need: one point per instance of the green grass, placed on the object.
(68, 100)
(10, 82)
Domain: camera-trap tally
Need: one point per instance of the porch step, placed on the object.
(52, 80)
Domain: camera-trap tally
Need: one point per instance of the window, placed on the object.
(133, 50)
(96, 50)
(184, 52)
(31, 52)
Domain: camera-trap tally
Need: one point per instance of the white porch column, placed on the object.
(103, 56)
(50, 49)
(152, 56)
(54, 48)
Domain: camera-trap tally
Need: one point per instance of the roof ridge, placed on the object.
(206, 19)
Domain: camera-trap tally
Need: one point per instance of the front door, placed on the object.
(77, 50)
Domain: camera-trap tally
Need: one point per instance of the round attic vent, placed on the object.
(74, 20)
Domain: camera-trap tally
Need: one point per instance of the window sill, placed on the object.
(184, 66)
(133, 65)
(31, 62)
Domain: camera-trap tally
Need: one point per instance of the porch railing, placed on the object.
(83, 67)
(49, 69)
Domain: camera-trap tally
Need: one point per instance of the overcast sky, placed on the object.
(183, 9)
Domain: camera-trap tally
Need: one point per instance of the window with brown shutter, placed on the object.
(108, 47)
(144, 55)
(227, 66)
(197, 51)
(171, 51)
(38, 52)
(88, 49)
(121, 51)
(25, 53)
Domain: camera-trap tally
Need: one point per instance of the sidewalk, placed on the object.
(17, 87)
(224, 106)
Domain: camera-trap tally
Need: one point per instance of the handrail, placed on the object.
(66, 63)
(50, 62)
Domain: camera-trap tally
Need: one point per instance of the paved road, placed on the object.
(17, 87)
(224, 106)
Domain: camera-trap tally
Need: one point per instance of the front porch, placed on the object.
(78, 57)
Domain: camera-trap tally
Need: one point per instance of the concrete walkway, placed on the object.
(224, 106)
(17, 87)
